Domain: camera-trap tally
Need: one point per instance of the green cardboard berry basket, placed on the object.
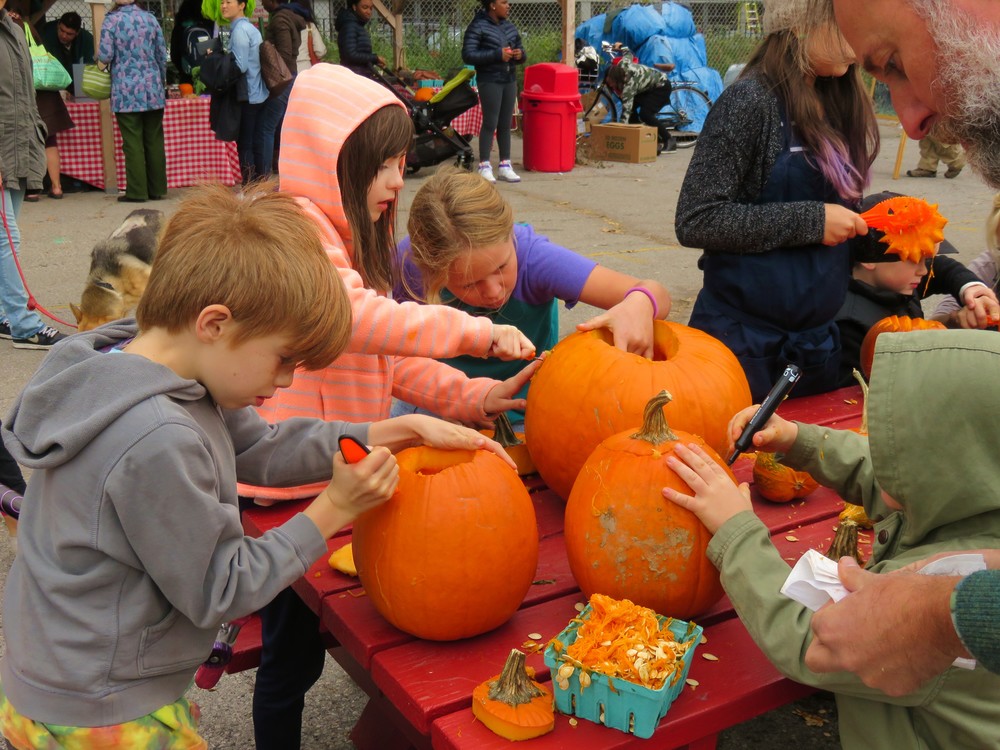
(615, 702)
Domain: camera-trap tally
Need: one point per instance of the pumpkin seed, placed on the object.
(535, 636)
(573, 722)
(693, 683)
(579, 606)
(792, 538)
(704, 640)
(710, 657)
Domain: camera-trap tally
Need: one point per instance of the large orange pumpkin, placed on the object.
(892, 324)
(454, 550)
(624, 539)
(587, 390)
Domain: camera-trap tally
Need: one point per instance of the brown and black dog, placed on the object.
(119, 270)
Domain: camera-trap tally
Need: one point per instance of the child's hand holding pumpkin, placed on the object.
(981, 307)
(716, 499)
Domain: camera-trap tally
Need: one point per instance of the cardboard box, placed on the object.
(632, 144)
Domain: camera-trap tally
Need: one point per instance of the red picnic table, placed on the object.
(420, 691)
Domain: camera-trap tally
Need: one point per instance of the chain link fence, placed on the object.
(433, 29)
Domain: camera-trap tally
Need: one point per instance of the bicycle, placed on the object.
(604, 105)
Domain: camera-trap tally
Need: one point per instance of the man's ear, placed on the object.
(213, 323)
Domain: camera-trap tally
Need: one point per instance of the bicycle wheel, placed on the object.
(688, 103)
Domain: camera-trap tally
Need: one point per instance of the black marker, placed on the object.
(781, 389)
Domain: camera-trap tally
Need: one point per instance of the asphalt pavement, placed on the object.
(622, 215)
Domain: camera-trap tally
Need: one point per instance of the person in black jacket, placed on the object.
(188, 17)
(493, 45)
(352, 38)
(883, 285)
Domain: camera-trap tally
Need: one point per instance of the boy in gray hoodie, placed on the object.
(926, 497)
(131, 552)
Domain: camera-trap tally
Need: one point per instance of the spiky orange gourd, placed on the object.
(454, 550)
(624, 539)
(587, 390)
(892, 324)
(779, 483)
(912, 226)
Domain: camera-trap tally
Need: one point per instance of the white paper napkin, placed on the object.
(814, 581)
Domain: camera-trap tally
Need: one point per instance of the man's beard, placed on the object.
(968, 63)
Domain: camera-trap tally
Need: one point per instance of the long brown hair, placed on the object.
(833, 118)
(386, 133)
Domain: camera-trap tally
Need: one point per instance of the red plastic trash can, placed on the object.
(549, 105)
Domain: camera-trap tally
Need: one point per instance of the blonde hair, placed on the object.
(259, 254)
(992, 228)
(453, 212)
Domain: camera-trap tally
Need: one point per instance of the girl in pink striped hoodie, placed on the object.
(343, 149)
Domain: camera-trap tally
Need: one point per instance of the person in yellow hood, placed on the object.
(927, 498)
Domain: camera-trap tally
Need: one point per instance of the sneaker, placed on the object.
(507, 173)
(953, 172)
(486, 171)
(44, 339)
(920, 173)
(5, 329)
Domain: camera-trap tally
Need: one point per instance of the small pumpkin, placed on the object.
(892, 324)
(453, 552)
(587, 390)
(624, 539)
(779, 483)
(512, 704)
(513, 443)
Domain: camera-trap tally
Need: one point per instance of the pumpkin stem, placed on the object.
(513, 687)
(864, 400)
(655, 429)
(503, 432)
(845, 542)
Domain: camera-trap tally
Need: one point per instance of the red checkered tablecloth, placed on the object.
(469, 122)
(193, 153)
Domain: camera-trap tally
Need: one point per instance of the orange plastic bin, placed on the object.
(549, 105)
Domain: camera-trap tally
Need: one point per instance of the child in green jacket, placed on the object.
(926, 497)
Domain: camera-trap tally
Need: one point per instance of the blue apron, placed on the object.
(780, 306)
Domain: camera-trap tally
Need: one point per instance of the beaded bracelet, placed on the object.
(649, 294)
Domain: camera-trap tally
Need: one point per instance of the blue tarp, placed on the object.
(665, 36)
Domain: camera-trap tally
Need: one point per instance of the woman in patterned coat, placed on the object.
(132, 45)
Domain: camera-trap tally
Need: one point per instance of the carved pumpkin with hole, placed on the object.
(779, 483)
(587, 390)
(627, 541)
(891, 324)
(453, 552)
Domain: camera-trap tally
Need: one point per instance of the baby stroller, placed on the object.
(434, 138)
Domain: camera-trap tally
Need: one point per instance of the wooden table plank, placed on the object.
(834, 408)
(741, 685)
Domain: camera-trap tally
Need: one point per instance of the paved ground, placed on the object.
(621, 215)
